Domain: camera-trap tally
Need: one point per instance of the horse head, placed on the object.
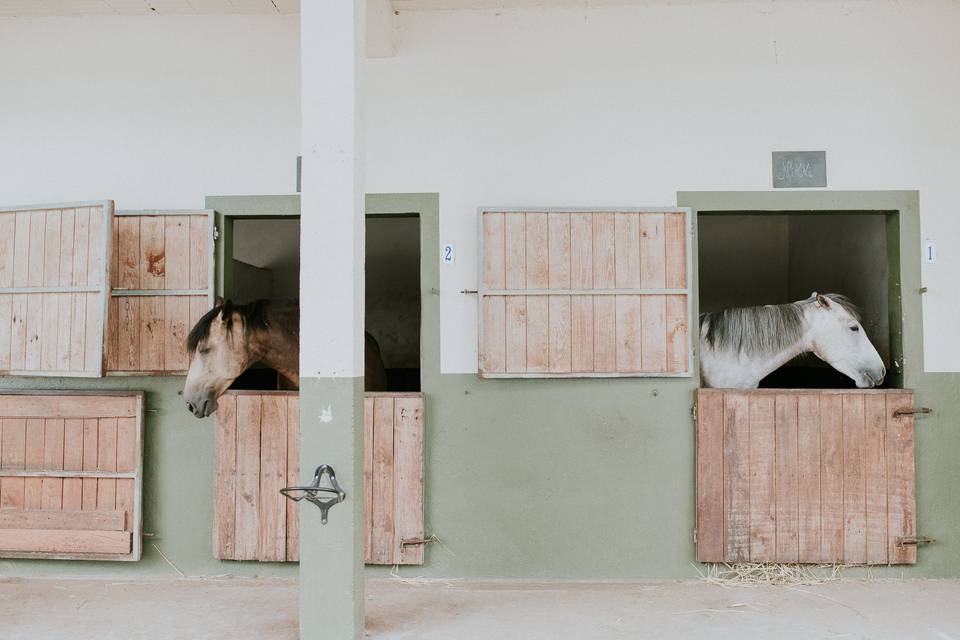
(837, 337)
(220, 350)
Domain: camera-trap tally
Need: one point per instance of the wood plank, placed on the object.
(152, 333)
(18, 333)
(516, 333)
(901, 479)
(875, 463)
(515, 251)
(177, 326)
(21, 249)
(72, 461)
(604, 251)
(581, 250)
(34, 325)
(581, 333)
(854, 481)
(8, 229)
(74, 406)
(114, 253)
(762, 478)
(200, 252)
(675, 259)
(225, 477)
(627, 244)
(368, 478)
(248, 477)
(65, 541)
(787, 481)
(91, 433)
(65, 300)
(128, 252)
(537, 236)
(151, 266)
(272, 537)
(293, 477)
(493, 357)
(653, 268)
(33, 459)
(604, 334)
(78, 332)
(13, 441)
(559, 312)
(106, 461)
(58, 519)
(383, 528)
(128, 334)
(408, 479)
(53, 440)
(35, 271)
(494, 268)
(111, 344)
(808, 476)
(678, 339)
(177, 252)
(653, 337)
(558, 250)
(96, 275)
(736, 477)
(629, 332)
(49, 326)
(710, 501)
(126, 461)
(81, 247)
(538, 334)
(831, 478)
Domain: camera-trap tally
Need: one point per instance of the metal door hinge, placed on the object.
(410, 542)
(909, 411)
(693, 412)
(913, 541)
(216, 233)
(694, 536)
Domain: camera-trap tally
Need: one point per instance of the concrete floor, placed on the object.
(238, 608)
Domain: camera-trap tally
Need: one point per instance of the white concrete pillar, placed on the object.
(332, 313)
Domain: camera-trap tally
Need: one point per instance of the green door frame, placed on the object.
(902, 211)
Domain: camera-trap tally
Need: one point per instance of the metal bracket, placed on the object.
(913, 541)
(310, 491)
(909, 411)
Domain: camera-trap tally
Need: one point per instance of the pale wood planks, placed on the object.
(57, 436)
(804, 476)
(578, 330)
(167, 254)
(393, 470)
(56, 330)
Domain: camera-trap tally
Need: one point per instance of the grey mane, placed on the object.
(762, 330)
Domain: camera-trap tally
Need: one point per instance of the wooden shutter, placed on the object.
(53, 288)
(162, 283)
(584, 293)
(257, 451)
(70, 475)
(805, 476)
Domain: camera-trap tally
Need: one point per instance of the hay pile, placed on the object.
(756, 574)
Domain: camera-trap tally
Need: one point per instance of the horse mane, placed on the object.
(253, 316)
(762, 330)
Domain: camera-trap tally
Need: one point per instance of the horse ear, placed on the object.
(823, 301)
(218, 301)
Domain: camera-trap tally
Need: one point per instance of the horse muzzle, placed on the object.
(201, 408)
(872, 378)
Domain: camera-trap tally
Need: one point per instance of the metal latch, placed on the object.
(913, 541)
(310, 491)
(909, 411)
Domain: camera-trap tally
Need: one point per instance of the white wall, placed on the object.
(609, 106)
(152, 112)
(627, 105)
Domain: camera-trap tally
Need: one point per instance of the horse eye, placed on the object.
(854, 328)
(204, 350)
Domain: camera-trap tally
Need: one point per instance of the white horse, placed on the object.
(739, 347)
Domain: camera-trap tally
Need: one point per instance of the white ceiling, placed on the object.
(33, 8)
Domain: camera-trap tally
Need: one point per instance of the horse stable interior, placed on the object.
(528, 206)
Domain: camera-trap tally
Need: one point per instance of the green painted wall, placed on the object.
(540, 478)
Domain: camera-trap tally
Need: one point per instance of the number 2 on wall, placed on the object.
(448, 254)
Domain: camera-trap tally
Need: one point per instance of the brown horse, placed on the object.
(230, 339)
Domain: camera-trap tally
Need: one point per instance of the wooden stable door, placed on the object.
(53, 288)
(584, 293)
(257, 452)
(70, 475)
(161, 278)
(818, 476)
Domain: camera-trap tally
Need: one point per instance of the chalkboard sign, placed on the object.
(799, 169)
